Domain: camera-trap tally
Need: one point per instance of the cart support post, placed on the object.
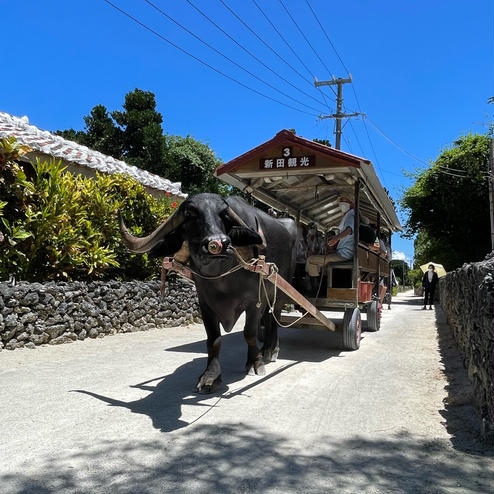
(356, 224)
(378, 275)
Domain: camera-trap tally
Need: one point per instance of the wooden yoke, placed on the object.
(263, 268)
(170, 264)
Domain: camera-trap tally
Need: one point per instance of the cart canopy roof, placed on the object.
(305, 179)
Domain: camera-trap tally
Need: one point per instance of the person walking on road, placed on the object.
(429, 283)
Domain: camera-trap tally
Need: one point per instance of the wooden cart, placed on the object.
(304, 179)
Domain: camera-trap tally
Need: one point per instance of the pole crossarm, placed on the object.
(333, 81)
(342, 115)
(339, 115)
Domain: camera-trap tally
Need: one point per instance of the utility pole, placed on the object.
(339, 105)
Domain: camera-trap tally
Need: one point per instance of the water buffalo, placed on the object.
(208, 228)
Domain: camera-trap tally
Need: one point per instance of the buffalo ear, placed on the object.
(241, 236)
(167, 247)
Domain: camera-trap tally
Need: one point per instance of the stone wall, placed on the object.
(467, 298)
(33, 314)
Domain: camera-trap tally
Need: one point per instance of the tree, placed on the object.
(448, 205)
(192, 163)
(135, 135)
(143, 143)
(323, 141)
(401, 270)
(102, 134)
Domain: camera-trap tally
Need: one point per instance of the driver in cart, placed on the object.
(340, 246)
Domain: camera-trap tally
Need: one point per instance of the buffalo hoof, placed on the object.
(207, 385)
(269, 355)
(257, 368)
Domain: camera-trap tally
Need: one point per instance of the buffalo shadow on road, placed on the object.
(232, 458)
(168, 393)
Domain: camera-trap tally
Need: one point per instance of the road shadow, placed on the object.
(309, 345)
(410, 300)
(461, 418)
(296, 344)
(232, 458)
(167, 394)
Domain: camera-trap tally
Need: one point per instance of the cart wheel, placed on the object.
(373, 316)
(352, 329)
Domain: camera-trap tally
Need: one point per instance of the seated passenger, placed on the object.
(341, 245)
(378, 246)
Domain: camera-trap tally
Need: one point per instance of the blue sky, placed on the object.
(422, 71)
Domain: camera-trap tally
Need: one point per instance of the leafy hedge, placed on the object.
(59, 226)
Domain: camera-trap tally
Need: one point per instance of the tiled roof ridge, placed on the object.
(58, 146)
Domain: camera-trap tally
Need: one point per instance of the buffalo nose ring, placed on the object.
(215, 246)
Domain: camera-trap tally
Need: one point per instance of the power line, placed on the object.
(262, 40)
(438, 168)
(225, 56)
(249, 52)
(348, 144)
(291, 49)
(374, 153)
(356, 137)
(353, 86)
(469, 177)
(137, 21)
(451, 174)
(306, 39)
(326, 34)
(452, 169)
(403, 150)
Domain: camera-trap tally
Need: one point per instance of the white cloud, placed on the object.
(399, 256)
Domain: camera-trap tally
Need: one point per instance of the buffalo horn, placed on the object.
(236, 218)
(261, 234)
(139, 245)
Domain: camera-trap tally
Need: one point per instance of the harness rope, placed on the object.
(241, 265)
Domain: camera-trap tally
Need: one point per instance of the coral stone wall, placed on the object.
(33, 314)
(467, 298)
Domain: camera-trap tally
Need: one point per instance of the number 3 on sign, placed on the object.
(287, 152)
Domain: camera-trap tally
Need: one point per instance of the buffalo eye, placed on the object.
(190, 213)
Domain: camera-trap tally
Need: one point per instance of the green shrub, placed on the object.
(415, 276)
(65, 227)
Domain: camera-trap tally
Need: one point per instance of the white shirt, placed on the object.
(345, 245)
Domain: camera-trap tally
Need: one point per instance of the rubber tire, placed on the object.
(352, 329)
(373, 319)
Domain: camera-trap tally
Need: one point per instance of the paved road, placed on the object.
(119, 415)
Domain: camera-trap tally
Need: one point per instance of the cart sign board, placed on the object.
(287, 161)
